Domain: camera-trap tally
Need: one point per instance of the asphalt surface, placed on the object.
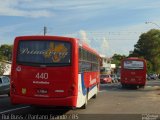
(113, 103)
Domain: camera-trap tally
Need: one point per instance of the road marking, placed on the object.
(6, 111)
(4, 95)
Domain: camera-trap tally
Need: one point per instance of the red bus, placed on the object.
(53, 71)
(133, 72)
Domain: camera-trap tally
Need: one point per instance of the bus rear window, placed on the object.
(129, 64)
(49, 53)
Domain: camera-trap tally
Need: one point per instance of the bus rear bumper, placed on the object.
(132, 83)
(39, 101)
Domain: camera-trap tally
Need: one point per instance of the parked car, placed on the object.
(4, 85)
(118, 77)
(105, 79)
(152, 76)
(114, 78)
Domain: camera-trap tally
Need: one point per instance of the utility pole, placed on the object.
(45, 30)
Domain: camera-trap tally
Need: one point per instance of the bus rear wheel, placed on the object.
(124, 85)
(141, 86)
(86, 102)
(95, 96)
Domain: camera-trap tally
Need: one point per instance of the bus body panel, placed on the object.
(130, 77)
(47, 85)
(56, 85)
(133, 76)
(67, 101)
(82, 89)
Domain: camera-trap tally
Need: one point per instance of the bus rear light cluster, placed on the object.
(13, 89)
(71, 90)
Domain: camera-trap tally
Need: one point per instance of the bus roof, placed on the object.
(42, 36)
(134, 58)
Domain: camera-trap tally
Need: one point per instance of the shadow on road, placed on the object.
(118, 87)
(31, 113)
(44, 111)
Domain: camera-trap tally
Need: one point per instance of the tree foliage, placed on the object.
(2, 68)
(116, 59)
(148, 47)
(5, 55)
(6, 52)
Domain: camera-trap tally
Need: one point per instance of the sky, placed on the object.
(109, 26)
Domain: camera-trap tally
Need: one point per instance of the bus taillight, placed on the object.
(71, 90)
(13, 88)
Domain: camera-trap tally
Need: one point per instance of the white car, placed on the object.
(114, 78)
(4, 85)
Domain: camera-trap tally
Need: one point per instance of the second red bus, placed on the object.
(133, 72)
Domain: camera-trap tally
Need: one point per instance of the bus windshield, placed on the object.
(130, 64)
(49, 53)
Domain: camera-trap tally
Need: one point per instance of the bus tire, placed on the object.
(73, 108)
(86, 102)
(95, 96)
(123, 86)
(36, 107)
(141, 86)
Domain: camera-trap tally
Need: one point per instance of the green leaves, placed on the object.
(2, 68)
(5, 55)
(148, 47)
(6, 52)
(116, 59)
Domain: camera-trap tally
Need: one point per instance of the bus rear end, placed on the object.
(43, 71)
(133, 72)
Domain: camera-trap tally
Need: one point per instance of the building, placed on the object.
(105, 65)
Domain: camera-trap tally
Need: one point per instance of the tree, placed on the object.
(116, 59)
(149, 67)
(5, 55)
(6, 52)
(2, 68)
(148, 47)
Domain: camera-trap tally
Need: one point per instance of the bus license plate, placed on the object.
(132, 79)
(42, 91)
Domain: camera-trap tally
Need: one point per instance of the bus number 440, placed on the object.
(42, 75)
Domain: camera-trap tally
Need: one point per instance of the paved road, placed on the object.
(113, 103)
